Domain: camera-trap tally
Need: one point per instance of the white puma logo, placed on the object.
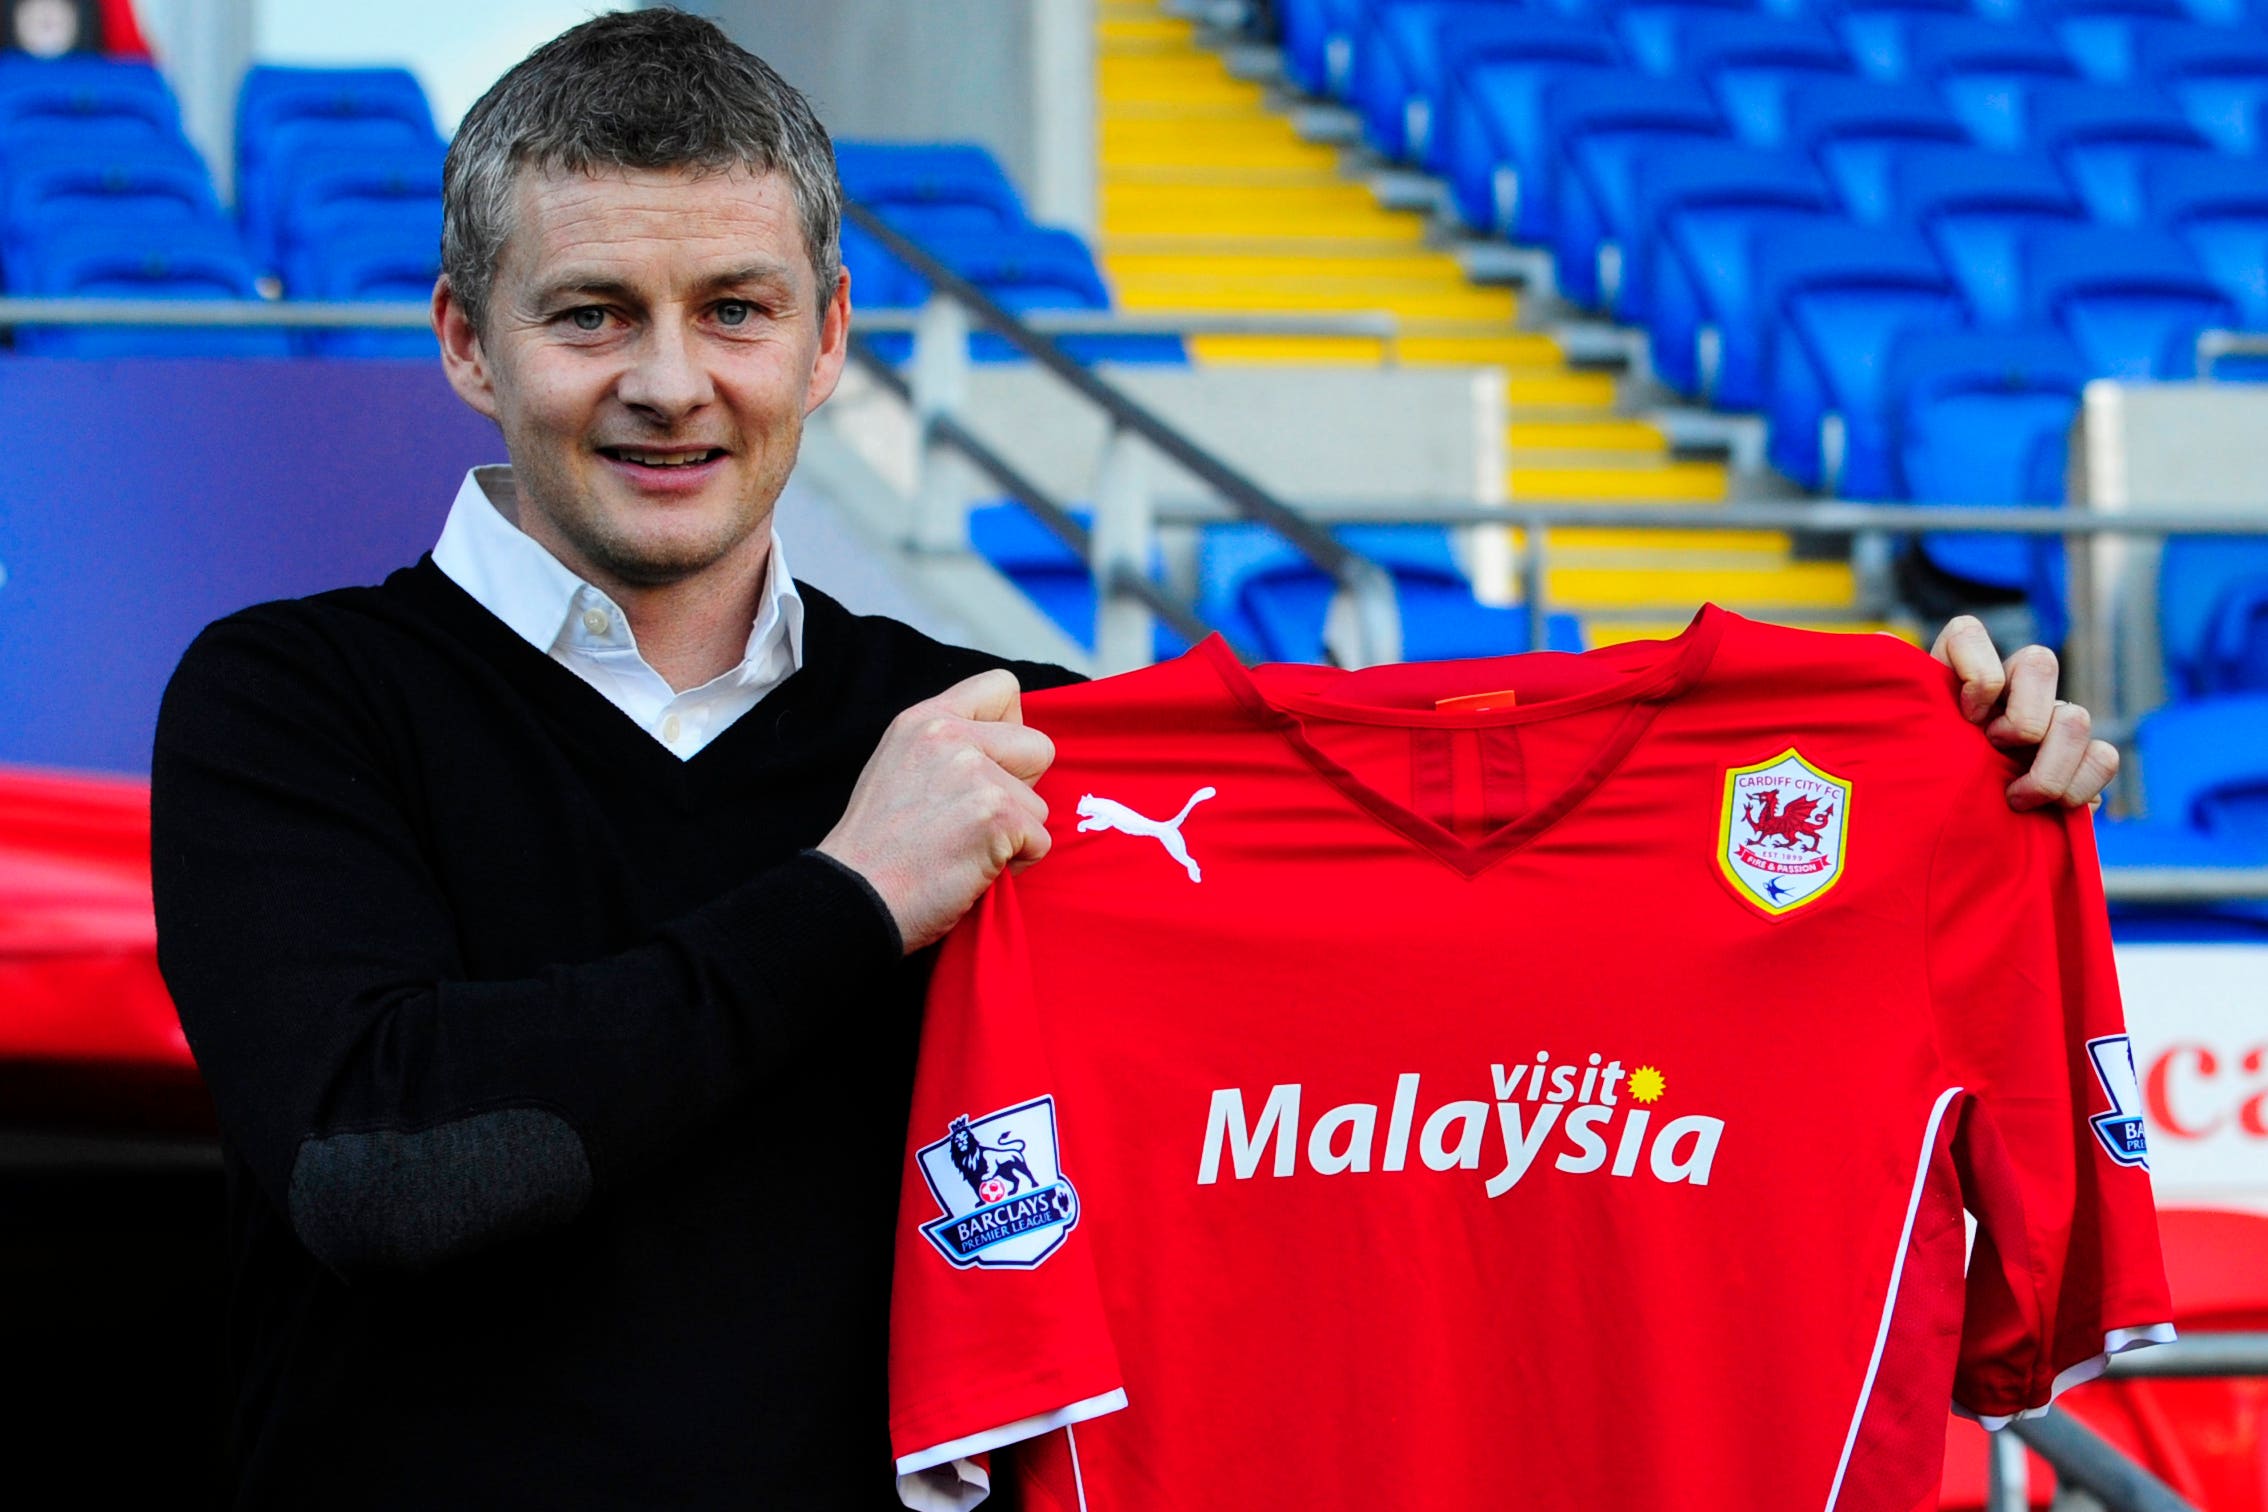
(1109, 814)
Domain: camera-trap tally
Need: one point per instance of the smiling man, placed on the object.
(544, 919)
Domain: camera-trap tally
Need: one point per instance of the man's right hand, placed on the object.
(945, 804)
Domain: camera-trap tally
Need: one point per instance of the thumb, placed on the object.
(993, 696)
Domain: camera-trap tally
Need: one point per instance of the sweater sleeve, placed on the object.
(400, 1114)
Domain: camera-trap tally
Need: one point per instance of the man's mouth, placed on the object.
(638, 457)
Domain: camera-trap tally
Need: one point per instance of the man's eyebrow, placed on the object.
(599, 285)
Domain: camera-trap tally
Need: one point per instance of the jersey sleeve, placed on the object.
(997, 1332)
(2065, 1270)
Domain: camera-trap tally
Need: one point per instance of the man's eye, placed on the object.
(734, 312)
(588, 318)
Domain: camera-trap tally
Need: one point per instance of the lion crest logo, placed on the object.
(1781, 832)
(1002, 1197)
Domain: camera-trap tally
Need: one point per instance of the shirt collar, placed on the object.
(514, 578)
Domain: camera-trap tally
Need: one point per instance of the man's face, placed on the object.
(652, 344)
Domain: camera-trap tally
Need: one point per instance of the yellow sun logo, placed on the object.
(1646, 1084)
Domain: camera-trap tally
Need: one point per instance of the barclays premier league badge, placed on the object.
(998, 1182)
(1780, 839)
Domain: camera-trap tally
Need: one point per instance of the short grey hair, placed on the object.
(636, 89)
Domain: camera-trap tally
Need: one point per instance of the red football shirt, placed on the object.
(1567, 1098)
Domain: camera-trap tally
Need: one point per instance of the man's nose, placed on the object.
(667, 378)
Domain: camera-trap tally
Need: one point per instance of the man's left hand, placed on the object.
(2015, 702)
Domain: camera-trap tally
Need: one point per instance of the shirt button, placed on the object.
(597, 621)
(670, 728)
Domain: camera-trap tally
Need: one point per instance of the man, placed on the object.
(542, 918)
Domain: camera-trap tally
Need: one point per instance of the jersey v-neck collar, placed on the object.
(1644, 693)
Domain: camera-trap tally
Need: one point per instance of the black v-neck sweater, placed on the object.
(562, 1088)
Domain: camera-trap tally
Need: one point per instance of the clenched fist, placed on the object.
(945, 804)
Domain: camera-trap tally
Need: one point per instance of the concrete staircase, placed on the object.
(1217, 195)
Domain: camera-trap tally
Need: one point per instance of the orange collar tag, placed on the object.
(1477, 703)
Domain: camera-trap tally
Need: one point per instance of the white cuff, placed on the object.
(2117, 1341)
(945, 1478)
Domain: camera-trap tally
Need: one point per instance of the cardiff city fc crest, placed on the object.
(1000, 1186)
(1781, 838)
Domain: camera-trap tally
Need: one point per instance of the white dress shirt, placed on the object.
(586, 632)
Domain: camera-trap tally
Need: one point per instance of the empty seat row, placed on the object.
(1265, 596)
(956, 203)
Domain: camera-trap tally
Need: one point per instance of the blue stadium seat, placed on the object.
(2218, 206)
(946, 186)
(1852, 126)
(2101, 35)
(334, 193)
(1490, 139)
(1877, 32)
(1397, 69)
(2213, 614)
(1840, 296)
(1317, 43)
(1984, 418)
(299, 146)
(1041, 268)
(1049, 572)
(150, 260)
(80, 101)
(1649, 29)
(2106, 136)
(368, 256)
(1978, 208)
(50, 193)
(274, 96)
(1985, 69)
(2205, 765)
(1705, 207)
(878, 280)
(1602, 125)
(1752, 63)
(2132, 299)
(2218, 76)
(1259, 589)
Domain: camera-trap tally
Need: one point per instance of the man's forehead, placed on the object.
(682, 223)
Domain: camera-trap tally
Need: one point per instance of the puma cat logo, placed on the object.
(1109, 814)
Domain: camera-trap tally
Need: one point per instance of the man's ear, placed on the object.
(462, 357)
(834, 344)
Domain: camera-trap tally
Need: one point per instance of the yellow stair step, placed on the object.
(1518, 349)
(1753, 548)
(1535, 383)
(1610, 433)
(1430, 269)
(1292, 204)
(1539, 385)
(1193, 80)
(1796, 586)
(1280, 296)
(1137, 30)
(1668, 482)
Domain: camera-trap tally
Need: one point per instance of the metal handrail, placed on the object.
(1050, 511)
(2212, 346)
(288, 314)
(1361, 578)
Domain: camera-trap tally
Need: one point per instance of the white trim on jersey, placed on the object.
(2117, 1341)
(1890, 1298)
(945, 1477)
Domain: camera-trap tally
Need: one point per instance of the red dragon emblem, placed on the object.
(1803, 822)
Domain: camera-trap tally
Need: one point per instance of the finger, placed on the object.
(1035, 842)
(992, 696)
(2032, 676)
(1966, 647)
(2097, 768)
(1018, 749)
(2055, 766)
